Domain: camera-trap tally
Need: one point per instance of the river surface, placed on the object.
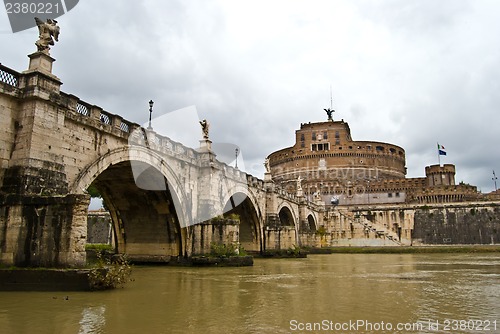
(338, 293)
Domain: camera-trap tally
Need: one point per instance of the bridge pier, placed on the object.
(38, 231)
(40, 223)
(215, 231)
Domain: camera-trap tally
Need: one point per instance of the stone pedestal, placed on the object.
(205, 145)
(41, 62)
(268, 177)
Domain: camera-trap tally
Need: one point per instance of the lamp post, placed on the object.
(150, 112)
(236, 152)
(494, 178)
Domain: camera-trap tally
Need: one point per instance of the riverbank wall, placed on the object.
(472, 223)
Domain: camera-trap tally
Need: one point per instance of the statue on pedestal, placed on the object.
(204, 128)
(267, 166)
(329, 112)
(299, 183)
(48, 32)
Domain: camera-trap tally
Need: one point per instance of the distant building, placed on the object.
(333, 167)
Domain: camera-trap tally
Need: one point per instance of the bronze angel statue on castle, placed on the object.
(47, 30)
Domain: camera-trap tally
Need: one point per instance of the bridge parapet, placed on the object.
(95, 116)
(285, 194)
(9, 76)
(255, 182)
(9, 81)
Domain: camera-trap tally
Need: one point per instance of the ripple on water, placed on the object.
(264, 298)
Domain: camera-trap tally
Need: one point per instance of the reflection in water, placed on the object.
(93, 320)
(408, 288)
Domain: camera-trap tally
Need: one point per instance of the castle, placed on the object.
(329, 166)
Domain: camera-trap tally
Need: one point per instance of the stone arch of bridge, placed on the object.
(311, 221)
(286, 216)
(145, 197)
(242, 202)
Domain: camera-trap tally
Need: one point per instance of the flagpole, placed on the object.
(439, 155)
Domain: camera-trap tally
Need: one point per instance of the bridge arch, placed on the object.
(140, 154)
(146, 199)
(243, 203)
(311, 221)
(286, 216)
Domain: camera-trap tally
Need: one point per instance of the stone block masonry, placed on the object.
(43, 231)
(469, 224)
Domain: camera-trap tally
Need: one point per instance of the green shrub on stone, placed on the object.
(109, 275)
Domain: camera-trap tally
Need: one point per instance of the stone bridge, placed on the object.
(165, 199)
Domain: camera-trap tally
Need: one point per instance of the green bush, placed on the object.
(108, 275)
(234, 216)
(294, 250)
(223, 250)
(99, 247)
(321, 231)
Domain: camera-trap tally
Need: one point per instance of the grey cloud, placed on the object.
(407, 72)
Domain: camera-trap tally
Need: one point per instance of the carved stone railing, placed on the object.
(143, 137)
(87, 110)
(9, 76)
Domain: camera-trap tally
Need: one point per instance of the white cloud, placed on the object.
(407, 72)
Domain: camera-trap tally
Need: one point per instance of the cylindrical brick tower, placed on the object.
(438, 175)
(329, 162)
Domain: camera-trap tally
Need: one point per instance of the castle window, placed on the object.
(302, 137)
(302, 144)
(389, 195)
(392, 150)
(380, 148)
(327, 146)
(397, 194)
(314, 136)
(325, 135)
(314, 147)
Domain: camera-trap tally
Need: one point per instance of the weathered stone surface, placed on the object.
(43, 231)
(99, 228)
(44, 280)
(473, 224)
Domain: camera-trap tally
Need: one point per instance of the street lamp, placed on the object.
(150, 112)
(494, 178)
(236, 152)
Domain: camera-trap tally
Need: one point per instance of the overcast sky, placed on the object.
(411, 73)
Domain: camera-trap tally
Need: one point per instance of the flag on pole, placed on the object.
(441, 150)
